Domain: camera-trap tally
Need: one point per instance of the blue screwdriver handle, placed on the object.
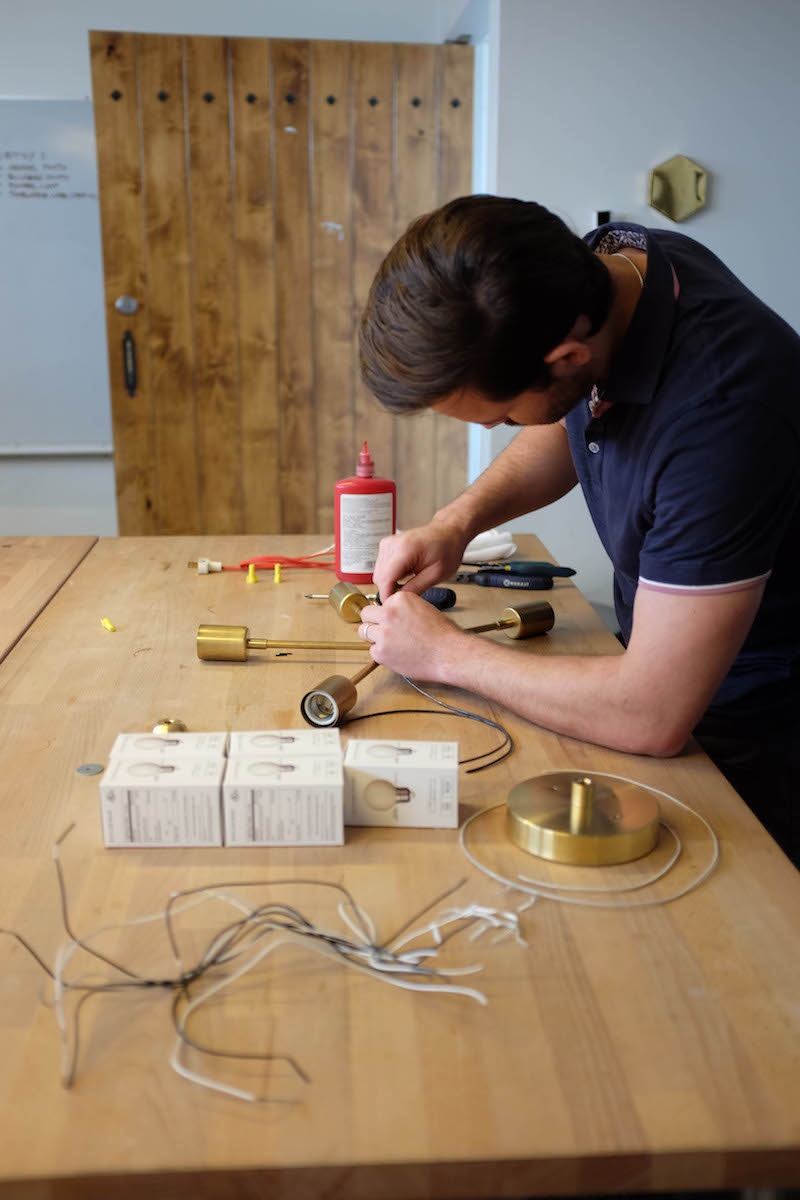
(522, 567)
(504, 579)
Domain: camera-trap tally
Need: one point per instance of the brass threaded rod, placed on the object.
(500, 623)
(304, 644)
(364, 672)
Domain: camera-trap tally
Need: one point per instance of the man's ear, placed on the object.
(568, 355)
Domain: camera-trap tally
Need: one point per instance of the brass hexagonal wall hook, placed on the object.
(678, 187)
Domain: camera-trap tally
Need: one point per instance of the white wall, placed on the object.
(44, 50)
(44, 55)
(590, 96)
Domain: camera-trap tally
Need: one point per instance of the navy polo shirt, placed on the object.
(692, 476)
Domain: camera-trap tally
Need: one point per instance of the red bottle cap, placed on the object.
(366, 467)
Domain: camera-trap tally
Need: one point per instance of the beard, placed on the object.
(559, 397)
(566, 394)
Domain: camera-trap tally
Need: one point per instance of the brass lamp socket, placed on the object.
(328, 703)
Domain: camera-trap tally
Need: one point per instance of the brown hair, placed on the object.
(474, 295)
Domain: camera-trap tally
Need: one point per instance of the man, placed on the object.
(640, 367)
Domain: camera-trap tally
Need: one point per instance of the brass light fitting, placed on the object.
(231, 643)
(584, 820)
(331, 700)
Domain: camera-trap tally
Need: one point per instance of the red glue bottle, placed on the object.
(363, 512)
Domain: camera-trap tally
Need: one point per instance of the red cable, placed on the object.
(272, 560)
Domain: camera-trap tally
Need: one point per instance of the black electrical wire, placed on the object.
(502, 751)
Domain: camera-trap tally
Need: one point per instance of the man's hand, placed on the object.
(429, 554)
(411, 637)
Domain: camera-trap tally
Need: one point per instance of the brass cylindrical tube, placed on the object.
(222, 643)
(528, 620)
(348, 601)
(580, 805)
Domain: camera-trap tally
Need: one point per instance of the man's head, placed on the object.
(473, 298)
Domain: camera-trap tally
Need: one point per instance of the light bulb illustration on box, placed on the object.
(148, 742)
(381, 795)
(267, 741)
(149, 770)
(269, 770)
(385, 752)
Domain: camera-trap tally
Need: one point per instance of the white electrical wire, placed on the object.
(543, 889)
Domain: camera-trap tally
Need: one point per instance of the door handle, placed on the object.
(129, 361)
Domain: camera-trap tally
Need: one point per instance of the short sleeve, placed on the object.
(722, 487)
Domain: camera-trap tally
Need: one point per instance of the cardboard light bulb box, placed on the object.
(401, 784)
(275, 800)
(291, 743)
(158, 801)
(169, 746)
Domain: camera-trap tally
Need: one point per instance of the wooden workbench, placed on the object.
(641, 1049)
(32, 569)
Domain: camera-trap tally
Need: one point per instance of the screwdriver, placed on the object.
(523, 567)
(484, 578)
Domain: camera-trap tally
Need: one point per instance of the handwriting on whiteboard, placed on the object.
(36, 175)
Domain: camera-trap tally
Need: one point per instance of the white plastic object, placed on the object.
(490, 546)
(206, 565)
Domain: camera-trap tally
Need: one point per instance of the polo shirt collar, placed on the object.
(637, 363)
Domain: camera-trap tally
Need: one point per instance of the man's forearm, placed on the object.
(585, 697)
(534, 470)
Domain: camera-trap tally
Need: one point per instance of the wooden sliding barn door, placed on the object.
(249, 189)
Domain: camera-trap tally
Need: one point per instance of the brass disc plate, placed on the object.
(623, 823)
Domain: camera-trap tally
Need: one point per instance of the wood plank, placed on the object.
(456, 66)
(171, 343)
(416, 189)
(298, 427)
(32, 569)
(333, 318)
(635, 1051)
(373, 219)
(213, 289)
(250, 403)
(114, 85)
(254, 232)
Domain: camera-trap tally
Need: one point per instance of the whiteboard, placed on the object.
(53, 356)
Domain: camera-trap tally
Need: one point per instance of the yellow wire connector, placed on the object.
(109, 625)
(251, 573)
(276, 573)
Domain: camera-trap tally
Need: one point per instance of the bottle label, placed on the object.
(363, 521)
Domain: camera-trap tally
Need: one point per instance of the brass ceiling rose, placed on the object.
(583, 820)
